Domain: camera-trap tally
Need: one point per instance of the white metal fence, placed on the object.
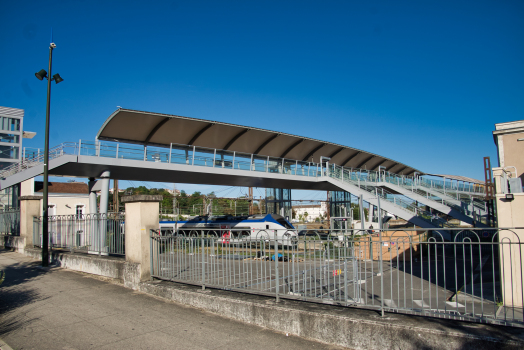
(92, 233)
(476, 277)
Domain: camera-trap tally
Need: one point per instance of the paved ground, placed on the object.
(60, 309)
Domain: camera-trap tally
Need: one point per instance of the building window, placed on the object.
(9, 152)
(9, 138)
(79, 211)
(51, 210)
(10, 124)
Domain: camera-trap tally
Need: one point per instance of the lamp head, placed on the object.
(41, 74)
(57, 78)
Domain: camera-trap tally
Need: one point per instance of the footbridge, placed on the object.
(140, 146)
(190, 164)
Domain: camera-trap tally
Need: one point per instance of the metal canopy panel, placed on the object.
(157, 129)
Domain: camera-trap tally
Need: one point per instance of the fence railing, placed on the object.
(10, 222)
(476, 277)
(93, 233)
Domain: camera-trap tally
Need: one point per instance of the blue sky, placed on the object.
(421, 82)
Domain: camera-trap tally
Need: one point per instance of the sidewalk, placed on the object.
(54, 308)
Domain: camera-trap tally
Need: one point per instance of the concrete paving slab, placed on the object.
(153, 340)
(84, 336)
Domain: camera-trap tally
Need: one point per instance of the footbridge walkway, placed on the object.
(198, 165)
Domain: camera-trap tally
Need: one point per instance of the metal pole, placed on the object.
(277, 275)
(45, 224)
(379, 214)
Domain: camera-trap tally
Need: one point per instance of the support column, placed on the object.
(104, 193)
(92, 196)
(104, 202)
(141, 216)
(29, 208)
(511, 246)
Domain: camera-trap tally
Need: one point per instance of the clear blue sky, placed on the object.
(421, 82)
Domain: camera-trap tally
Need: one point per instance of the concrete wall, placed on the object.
(15, 243)
(509, 149)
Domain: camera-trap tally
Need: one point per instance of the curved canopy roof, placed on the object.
(156, 129)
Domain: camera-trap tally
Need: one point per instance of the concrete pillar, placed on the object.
(511, 243)
(29, 208)
(92, 196)
(104, 202)
(142, 213)
(104, 193)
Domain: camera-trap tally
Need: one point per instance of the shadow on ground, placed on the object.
(14, 295)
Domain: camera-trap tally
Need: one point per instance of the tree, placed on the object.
(305, 216)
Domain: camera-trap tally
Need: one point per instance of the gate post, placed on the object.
(141, 216)
(29, 208)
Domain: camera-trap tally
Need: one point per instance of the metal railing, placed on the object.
(216, 158)
(10, 222)
(400, 201)
(476, 277)
(92, 233)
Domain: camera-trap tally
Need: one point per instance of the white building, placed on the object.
(65, 198)
(313, 211)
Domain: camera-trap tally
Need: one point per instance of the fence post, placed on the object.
(151, 242)
(142, 212)
(29, 208)
(381, 269)
(277, 274)
(203, 258)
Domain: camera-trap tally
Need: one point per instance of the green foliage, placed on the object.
(2, 276)
(194, 204)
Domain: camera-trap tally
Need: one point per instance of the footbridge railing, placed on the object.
(215, 158)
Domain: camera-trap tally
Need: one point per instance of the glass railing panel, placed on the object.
(260, 164)
(107, 150)
(224, 159)
(290, 167)
(88, 148)
(302, 169)
(157, 154)
(242, 161)
(315, 170)
(30, 153)
(204, 157)
(131, 152)
(274, 165)
(181, 154)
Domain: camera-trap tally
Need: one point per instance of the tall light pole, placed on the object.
(45, 224)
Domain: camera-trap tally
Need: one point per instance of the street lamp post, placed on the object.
(45, 223)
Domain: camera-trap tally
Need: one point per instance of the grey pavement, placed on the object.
(54, 308)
